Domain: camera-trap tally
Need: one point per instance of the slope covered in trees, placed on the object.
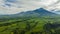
(42, 25)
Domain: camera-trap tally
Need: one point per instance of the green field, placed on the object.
(40, 25)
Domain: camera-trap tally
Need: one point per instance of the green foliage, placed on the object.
(36, 25)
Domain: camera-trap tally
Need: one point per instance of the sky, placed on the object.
(16, 6)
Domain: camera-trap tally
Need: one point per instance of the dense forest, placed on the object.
(31, 25)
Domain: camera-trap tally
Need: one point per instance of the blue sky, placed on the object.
(16, 6)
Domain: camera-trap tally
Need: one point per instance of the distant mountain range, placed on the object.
(35, 13)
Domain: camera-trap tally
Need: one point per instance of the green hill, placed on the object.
(39, 21)
(30, 26)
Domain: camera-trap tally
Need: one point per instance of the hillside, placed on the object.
(38, 21)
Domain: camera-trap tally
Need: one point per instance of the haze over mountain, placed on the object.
(41, 12)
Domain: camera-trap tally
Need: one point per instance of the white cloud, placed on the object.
(17, 6)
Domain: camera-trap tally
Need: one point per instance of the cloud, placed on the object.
(16, 6)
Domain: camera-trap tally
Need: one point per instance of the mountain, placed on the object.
(38, 12)
(35, 13)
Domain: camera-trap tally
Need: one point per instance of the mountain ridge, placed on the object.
(35, 13)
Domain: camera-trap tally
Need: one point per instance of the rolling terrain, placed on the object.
(39, 21)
